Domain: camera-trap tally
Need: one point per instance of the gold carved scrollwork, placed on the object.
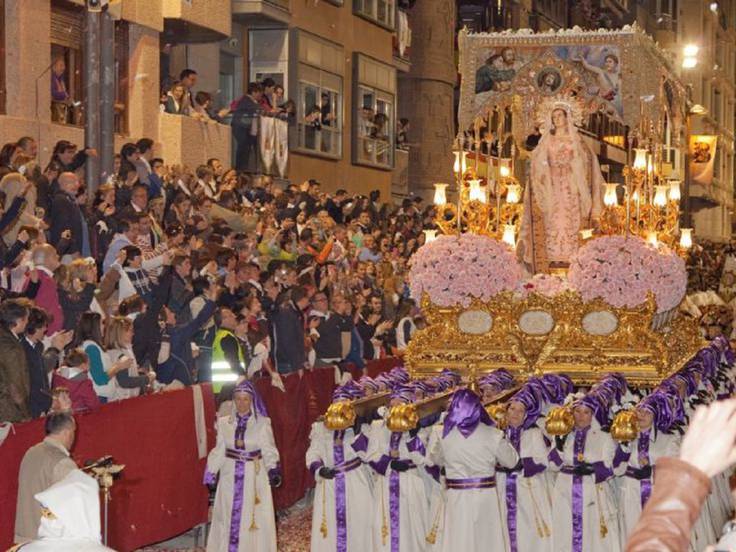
(643, 354)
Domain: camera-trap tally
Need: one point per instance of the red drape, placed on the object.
(160, 494)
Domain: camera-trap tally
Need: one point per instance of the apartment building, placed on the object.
(338, 62)
(45, 39)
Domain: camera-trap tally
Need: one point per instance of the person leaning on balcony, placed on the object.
(175, 99)
(244, 124)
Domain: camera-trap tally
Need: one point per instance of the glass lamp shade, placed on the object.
(610, 198)
(674, 192)
(640, 160)
(430, 235)
(440, 194)
(476, 192)
(504, 170)
(513, 193)
(660, 196)
(509, 235)
(686, 238)
(586, 233)
(652, 238)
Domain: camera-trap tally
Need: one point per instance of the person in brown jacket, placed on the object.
(14, 378)
(682, 485)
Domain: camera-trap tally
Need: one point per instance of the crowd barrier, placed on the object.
(160, 493)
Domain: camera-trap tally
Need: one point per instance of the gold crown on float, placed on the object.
(573, 106)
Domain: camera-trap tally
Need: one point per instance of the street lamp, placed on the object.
(689, 56)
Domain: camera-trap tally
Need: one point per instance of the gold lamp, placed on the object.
(440, 194)
(513, 194)
(640, 160)
(476, 192)
(660, 196)
(610, 197)
(430, 235)
(686, 238)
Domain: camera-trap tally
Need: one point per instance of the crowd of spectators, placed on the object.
(165, 275)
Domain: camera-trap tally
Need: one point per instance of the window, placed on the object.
(320, 127)
(121, 77)
(66, 74)
(382, 12)
(374, 113)
(318, 92)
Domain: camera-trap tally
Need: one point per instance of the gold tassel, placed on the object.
(431, 537)
(257, 500)
(384, 526)
(542, 528)
(255, 487)
(323, 527)
(601, 521)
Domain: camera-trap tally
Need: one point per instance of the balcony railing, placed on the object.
(265, 11)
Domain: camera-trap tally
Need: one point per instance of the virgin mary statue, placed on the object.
(564, 195)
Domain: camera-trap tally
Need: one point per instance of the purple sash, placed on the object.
(237, 509)
(577, 491)
(471, 483)
(514, 436)
(394, 495)
(338, 455)
(645, 484)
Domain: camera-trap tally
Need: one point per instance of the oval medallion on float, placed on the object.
(601, 322)
(475, 322)
(536, 322)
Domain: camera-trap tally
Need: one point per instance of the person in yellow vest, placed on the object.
(228, 359)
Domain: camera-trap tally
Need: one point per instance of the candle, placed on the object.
(686, 238)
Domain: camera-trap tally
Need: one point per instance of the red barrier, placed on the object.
(292, 415)
(160, 493)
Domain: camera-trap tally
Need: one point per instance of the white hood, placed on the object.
(75, 503)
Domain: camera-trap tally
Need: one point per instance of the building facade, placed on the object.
(43, 38)
(338, 62)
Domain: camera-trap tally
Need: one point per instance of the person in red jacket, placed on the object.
(46, 261)
(74, 377)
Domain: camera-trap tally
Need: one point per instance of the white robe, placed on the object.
(472, 517)
(660, 445)
(599, 506)
(258, 436)
(411, 524)
(533, 496)
(358, 491)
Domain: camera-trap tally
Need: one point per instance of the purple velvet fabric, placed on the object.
(465, 413)
(236, 513)
(338, 454)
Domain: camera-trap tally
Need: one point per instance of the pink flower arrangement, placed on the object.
(544, 284)
(623, 271)
(453, 270)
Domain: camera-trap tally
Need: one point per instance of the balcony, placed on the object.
(197, 20)
(262, 12)
(188, 141)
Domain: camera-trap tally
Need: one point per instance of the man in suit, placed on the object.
(13, 368)
(39, 398)
(43, 465)
(67, 215)
(289, 332)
